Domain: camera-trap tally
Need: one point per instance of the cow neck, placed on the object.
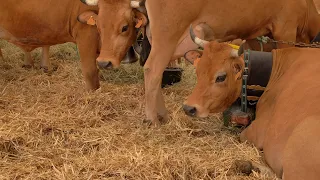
(256, 75)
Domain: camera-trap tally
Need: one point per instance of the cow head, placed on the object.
(117, 22)
(219, 74)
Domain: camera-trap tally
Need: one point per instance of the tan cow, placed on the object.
(37, 23)
(219, 20)
(287, 124)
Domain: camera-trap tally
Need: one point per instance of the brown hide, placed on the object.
(289, 100)
(170, 22)
(317, 4)
(287, 120)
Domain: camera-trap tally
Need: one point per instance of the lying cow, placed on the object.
(37, 23)
(287, 123)
(169, 31)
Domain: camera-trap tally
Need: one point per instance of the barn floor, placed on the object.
(51, 128)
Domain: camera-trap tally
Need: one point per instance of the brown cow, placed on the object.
(170, 20)
(37, 23)
(287, 123)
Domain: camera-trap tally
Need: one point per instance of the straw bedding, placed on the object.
(51, 128)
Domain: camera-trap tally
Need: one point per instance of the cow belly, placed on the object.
(37, 23)
(6, 35)
(34, 39)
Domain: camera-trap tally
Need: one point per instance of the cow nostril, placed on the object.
(105, 64)
(190, 110)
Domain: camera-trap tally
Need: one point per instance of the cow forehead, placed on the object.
(115, 12)
(218, 48)
(114, 5)
(216, 55)
(214, 60)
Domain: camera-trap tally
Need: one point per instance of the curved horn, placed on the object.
(196, 40)
(90, 2)
(137, 4)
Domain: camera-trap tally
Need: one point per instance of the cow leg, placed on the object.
(153, 70)
(1, 56)
(45, 63)
(252, 134)
(28, 62)
(87, 42)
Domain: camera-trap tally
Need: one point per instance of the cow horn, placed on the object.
(234, 53)
(196, 40)
(90, 2)
(137, 4)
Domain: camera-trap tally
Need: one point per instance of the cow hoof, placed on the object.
(242, 167)
(27, 66)
(45, 69)
(163, 119)
(150, 123)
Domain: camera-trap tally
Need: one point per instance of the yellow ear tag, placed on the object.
(195, 63)
(138, 25)
(234, 46)
(91, 21)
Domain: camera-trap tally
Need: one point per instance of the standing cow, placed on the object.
(170, 20)
(31, 24)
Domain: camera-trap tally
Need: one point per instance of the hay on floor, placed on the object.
(51, 128)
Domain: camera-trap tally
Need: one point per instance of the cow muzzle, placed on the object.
(105, 64)
(190, 110)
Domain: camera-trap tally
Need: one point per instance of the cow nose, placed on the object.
(190, 110)
(105, 64)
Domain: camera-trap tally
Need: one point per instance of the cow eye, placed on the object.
(221, 78)
(125, 28)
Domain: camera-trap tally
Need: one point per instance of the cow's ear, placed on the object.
(237, 69)
(193, 56)
(88, 17)
(140, 19)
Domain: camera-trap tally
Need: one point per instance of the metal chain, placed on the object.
(265, 40)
